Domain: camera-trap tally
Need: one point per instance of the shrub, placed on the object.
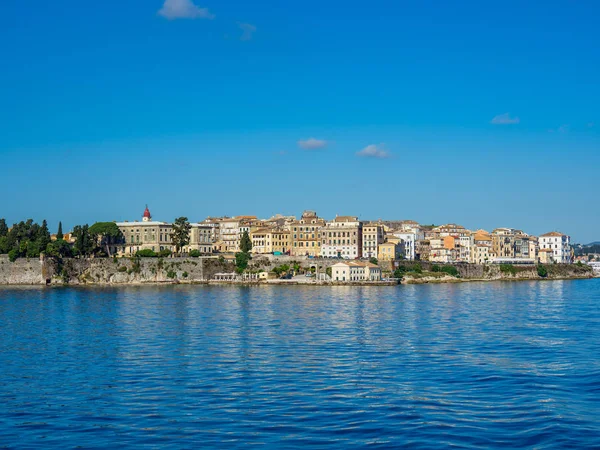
(146, 253)
(194, 253)
(542, 271)
(165, 253)
(450, 270)
(436, 269)
(122, 269)
(171, 274)
(374, 261)
(508, 268)
(13, 255)
(184, 274)
(417, 268)
(399, 272)
(241, 261)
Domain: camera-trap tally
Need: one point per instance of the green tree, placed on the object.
(43, 236)
(374, 261)
(84, 243)
(105, 234)
(146, 253)
(542, 271)
(58, 249)
(245, 243)
(3, 228)
(241, 261)
(59, 234)
(4, 247)
(181, 233)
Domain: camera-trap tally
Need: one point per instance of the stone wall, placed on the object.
(22, 271)
(197, 270)
(109, 270)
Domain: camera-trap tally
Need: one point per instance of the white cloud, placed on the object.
(374, 151)
(505, 119)
(312, 144)
(183, 9)
(247, 31)
(564, 129)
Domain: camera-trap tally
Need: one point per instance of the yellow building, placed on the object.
(306, 234)
(373, 236)
(270, 240)
(390, 251)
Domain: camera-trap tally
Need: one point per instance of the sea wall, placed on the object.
(76, 271)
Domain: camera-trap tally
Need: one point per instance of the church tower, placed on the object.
(147, 215)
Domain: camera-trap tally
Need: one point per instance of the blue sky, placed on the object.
(480, 113)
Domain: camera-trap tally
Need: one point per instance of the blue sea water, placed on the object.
(473, 365)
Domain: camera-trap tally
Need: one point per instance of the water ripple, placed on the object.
(478, 365)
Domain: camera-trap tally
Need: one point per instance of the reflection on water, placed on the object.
(511, 365)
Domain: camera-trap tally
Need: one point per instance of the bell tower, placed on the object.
(147, 215)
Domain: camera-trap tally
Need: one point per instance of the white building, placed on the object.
(410, 242)
(559, 243)
(342, 238)
(355, 271)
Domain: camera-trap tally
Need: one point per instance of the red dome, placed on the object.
(147, 213)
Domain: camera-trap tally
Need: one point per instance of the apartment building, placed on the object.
(306, 234)
(373, 236)
(270, 240)
(559, 243)
(391, 251)
(342, 238)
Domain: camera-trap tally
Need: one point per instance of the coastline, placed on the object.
(205, 271)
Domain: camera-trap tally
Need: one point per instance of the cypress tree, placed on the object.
(59, 235)
(3, 228)
(245, 243)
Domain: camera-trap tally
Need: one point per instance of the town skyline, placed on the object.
(53, 224)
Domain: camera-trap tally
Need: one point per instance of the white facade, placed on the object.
(410, 243)
(342, 238)
(355, 271)
(559, 243)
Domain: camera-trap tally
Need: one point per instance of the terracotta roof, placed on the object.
(346, 219)
(553, 234)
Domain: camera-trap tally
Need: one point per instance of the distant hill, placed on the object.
(592, 244)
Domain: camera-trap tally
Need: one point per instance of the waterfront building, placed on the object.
(355, 271)
(504, 242)
(342, 238)
(410, 239)
(231, 231)
(306, 234)
(559, 243)
(145, 235)
(156, 236)
(391, 251)
(373, 236)
(546, 256)
(270, 240)
(201, 239)
(481, 252)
